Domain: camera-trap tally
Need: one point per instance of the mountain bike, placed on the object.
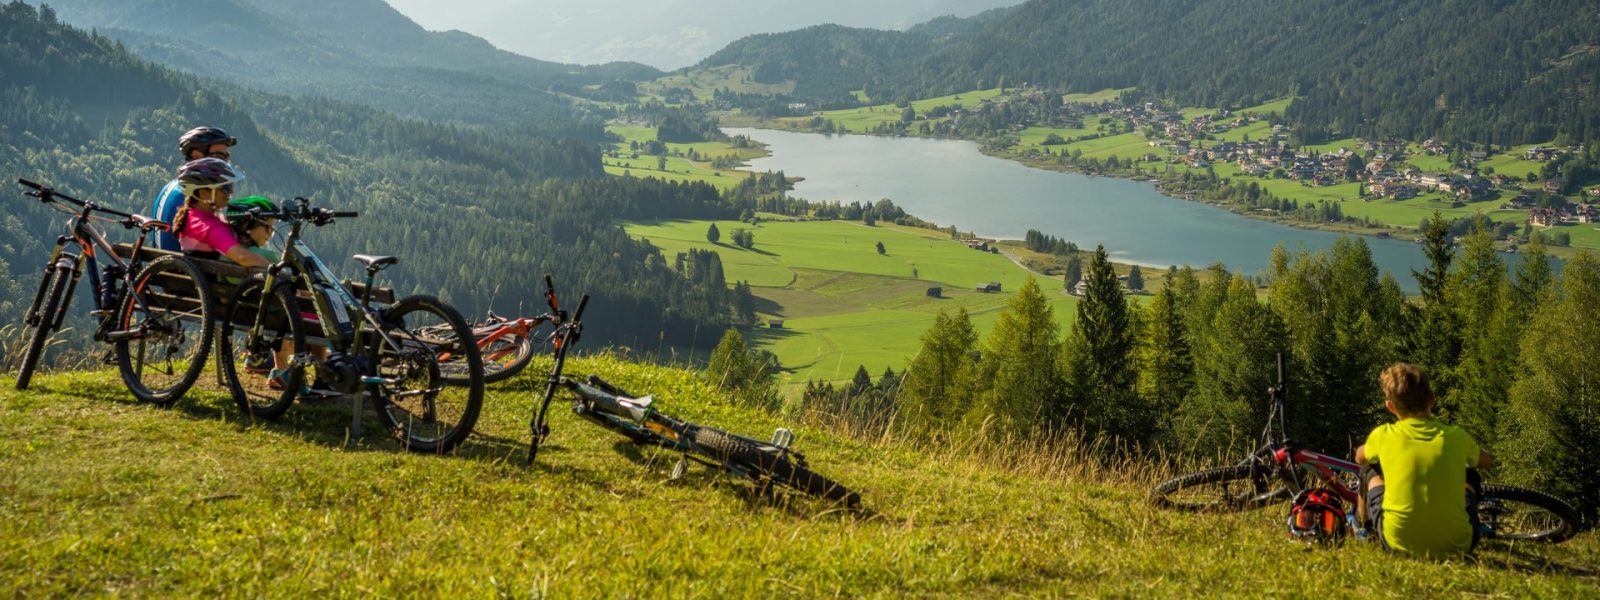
(1281, 468)
(507, 346)
(299, 317)
(767, 464)
(157, 316)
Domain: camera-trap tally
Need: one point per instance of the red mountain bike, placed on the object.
(506, 344)
(1281, 469)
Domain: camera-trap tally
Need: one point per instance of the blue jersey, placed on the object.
(164, 209)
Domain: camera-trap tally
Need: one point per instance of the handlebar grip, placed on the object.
(345, 214)
(549, 284)
(583, 301)
(30, 184)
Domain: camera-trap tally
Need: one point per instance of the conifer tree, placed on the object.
(1019, 366)
(1480, 293)
(1234, 363)
(1102, 363)
(1435, 343)
(1166, 366)
(730, 366)
(1553, 420)
(933, 397)
(713, 235)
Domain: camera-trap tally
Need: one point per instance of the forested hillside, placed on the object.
(357, 50)
(475, 215)
(1502, 71)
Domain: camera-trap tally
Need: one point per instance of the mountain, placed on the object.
(669, 34)
(358, 50)
(476, 214)
(1410, 68)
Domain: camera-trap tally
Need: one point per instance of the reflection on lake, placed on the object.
(951, 182)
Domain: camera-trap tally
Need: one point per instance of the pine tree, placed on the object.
(932, 396)
(1106, 330)
(1234, 363)
(712, 235)
(1480, 293)
(862, 381)
(1435, 343)
(1166, 366)
(1553, 421)
(1135, 278)
(730, 367)
(1074, 271)
(1019, 364)
(880, 248)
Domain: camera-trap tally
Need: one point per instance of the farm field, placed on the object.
(678, 168)
(106, 496)
(842, 304)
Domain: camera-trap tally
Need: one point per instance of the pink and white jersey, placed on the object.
(206, 232)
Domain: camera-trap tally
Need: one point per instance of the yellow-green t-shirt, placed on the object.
(1425, 477)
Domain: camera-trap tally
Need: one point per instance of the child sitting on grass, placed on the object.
(1418, 498)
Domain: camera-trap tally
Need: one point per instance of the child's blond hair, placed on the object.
(1407, 387)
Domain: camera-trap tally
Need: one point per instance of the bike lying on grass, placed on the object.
(158, 316)
(271, 338)
(1282, 469)
(768, 464)
(507, 346)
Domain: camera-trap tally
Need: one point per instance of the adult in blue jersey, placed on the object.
(200, 142)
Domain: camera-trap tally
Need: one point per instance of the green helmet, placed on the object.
(238, 216)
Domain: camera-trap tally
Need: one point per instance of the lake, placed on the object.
(951, 183)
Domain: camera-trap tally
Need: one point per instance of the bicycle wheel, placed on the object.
(424, 411)
(771, 466)
(40, 323)
(263, 354)
(1514, 513)
(1233, 488)
(503, 358)
(169, 306)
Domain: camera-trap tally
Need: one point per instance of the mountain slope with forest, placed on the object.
(356, 50)
(1407, 68)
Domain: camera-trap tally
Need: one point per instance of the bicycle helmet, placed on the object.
(239, 218)
(1317, 516)
(206, 173)
(201, 138)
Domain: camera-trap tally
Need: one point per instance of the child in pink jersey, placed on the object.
(207, 185)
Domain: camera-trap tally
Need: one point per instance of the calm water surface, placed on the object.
(951, 182)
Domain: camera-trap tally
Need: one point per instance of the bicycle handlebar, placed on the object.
(46, 194)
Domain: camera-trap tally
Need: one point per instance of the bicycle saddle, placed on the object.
(641, 402)
(375, 262)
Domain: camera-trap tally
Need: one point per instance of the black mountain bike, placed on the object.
(768, 464)
(1281, 468)
(299, 319)
(158, 316)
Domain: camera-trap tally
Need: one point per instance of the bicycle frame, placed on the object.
(90, 242)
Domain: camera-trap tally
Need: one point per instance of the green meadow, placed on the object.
(621, 161)
(704, 82)
(108, 497)
(842, 304)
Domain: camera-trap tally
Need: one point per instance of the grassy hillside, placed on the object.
(842, 303)
(107, 497)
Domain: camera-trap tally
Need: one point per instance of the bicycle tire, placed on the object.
(416, 418)
(33, 351)
(521, 350)
(1239, 487)
(726, 447)
(155, 299)
(1500, 507)
(496, 371)
(243, 349)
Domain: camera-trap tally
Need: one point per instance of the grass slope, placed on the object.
(106, 497)
(623, 161)
(842, 303)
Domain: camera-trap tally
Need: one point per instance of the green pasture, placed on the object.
(1105, 95)
(968, 100)
(1257, 131)
(1276, 106)
(678, 168)
(840, 300)
(1129, 145)
(1335, 145)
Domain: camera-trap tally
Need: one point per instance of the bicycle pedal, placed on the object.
(110, 358)
(679, 469)
(782, 438)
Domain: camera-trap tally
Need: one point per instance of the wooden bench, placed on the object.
(177, 292)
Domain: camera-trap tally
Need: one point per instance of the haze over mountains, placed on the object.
(666, 34)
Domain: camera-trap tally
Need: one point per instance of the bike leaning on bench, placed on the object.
(1282, 469)
(297, 322)
(767, 464)
(157, 316)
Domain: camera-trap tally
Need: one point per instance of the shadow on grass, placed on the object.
(754, 495)
(1512, 557)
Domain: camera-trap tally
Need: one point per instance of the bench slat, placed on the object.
(221, 290)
